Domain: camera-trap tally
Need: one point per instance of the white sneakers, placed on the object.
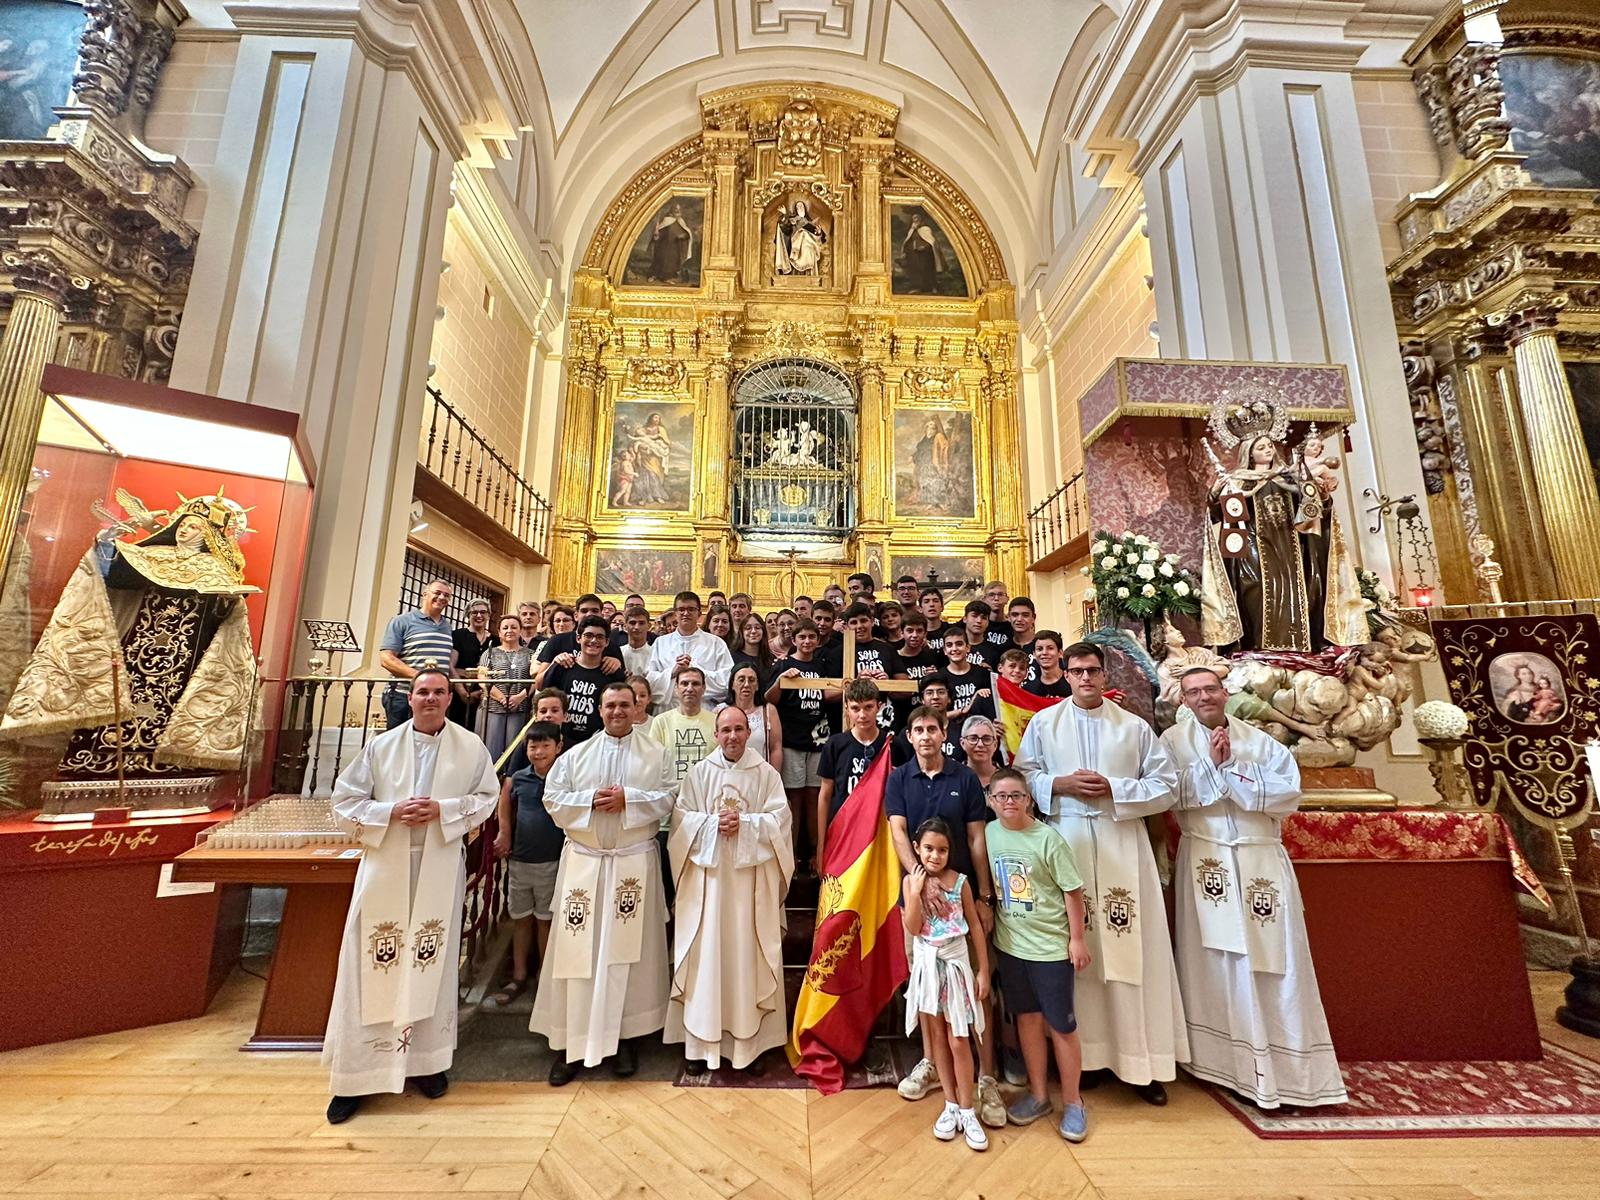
(954, 1120)
(924, 1077)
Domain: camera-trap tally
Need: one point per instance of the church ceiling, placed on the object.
(983, 88)
(1000, 60)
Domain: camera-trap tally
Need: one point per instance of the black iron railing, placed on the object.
(326, 723)
(462, 459)
(1059, 519)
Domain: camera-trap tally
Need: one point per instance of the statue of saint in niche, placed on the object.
(799, 241)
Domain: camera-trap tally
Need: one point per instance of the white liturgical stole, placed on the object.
(1233, 812)
(405, 928)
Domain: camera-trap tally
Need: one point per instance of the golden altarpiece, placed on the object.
(791, 355)
(1497, 297)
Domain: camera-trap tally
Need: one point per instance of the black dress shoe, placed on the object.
(562, 1072)
(626, 1062)
(756, 1069)
(342, 1108)
(1090, 1080)
(695, 1066)
(432, 1086)
(1150, 1093)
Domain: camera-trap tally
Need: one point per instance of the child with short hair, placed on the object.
(532, 841)
(1039, 938)
(943, 993)
(550, 704)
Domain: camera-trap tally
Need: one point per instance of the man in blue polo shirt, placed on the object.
(412, 641)
(931, 785)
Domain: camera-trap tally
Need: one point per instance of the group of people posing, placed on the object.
(684, 772)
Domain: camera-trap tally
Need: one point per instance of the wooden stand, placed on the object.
(299, 993)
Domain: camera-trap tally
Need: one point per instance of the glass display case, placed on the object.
(151, 587)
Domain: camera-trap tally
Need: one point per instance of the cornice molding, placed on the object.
(435, 42)
(1164, 54)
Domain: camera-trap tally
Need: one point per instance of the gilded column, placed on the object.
(871, 154)
(1508, 505)
(874, 467)
(1562, 472)
(39, 283)
(723, 151)
(717, 432)
(999, 349)
(585, 339)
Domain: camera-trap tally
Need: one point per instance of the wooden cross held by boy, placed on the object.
(899, 687)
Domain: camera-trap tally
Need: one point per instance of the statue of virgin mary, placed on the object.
(1277, 573)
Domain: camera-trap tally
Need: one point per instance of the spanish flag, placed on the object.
(1016, 710)
(858, 957)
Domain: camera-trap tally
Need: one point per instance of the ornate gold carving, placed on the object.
(800, 135)
(1529, 314)
(1421, 371)
(40, 274)
(106, 56)
(931, 383)
(1477, 99)
(657, 375)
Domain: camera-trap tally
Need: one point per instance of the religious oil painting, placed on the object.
(710, 564)
(1528, 688)
(649, 572)
(667, 252)
(1553, 102)
(1584, 379)
(652, 456)
(933, 464)
(925, 263)
(38, 47)
(946, 568)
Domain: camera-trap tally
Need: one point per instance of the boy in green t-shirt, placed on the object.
(1038, 933)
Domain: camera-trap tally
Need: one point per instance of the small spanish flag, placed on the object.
(1017, 708)
(858, 957)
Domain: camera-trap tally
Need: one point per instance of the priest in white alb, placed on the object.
(604, 977)
(732, 860)
(411, 796)
(1096, 772)
(1255, 1016)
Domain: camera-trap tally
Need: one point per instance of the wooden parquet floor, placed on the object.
(177, 1112)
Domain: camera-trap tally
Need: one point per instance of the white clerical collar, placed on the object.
(1089, 712)
(617, 740)
(426, 737)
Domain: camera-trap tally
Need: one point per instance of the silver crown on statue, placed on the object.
(1246, 412)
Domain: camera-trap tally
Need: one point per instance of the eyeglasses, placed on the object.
(980, 739)
(1003, 797)
(1085, 672)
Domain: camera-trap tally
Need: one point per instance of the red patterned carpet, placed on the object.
(1560, 1094)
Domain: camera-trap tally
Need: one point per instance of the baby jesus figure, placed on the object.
(1322, 469)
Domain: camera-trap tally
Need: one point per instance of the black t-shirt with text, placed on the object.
(845, 760)
(923, 663)
(582, 687)
(964, 691)
(880, 656)
(807, 718)
(987, 651)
